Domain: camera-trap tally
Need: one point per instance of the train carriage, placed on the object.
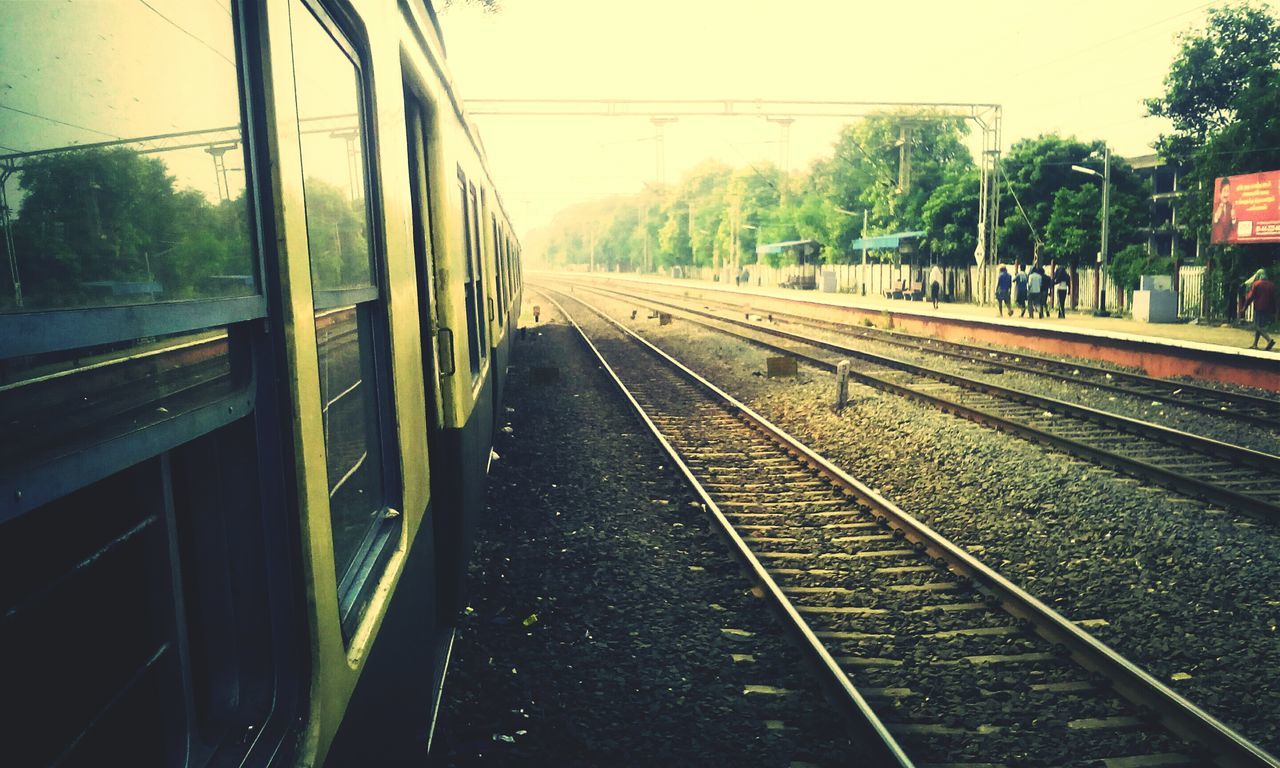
(259, 298)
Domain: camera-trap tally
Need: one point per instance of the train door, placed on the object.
(437, 342)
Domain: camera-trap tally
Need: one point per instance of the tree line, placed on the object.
(107, 226)
(1222, 95)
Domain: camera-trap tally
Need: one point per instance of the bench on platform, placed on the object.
(902, 289)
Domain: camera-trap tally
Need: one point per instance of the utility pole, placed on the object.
(645, 232)
(1106, 215)
(784, 138)
(6, 221)
(904, 158)
(691, 251)
(659, 143)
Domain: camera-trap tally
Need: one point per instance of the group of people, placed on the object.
(1032, 290)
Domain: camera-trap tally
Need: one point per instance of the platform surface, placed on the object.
(1220, 337)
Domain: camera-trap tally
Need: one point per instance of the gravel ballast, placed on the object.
(1186, 591)
(607, 622)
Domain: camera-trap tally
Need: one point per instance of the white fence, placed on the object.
(968, 284)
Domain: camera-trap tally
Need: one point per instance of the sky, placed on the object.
(1078, 69)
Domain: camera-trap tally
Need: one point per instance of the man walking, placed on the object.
(1061, 284)
(1003, 284)
(935, 284)
(1035, 291)
(1020, 290)
(1262, 295)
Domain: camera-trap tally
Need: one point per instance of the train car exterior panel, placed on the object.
(304, 528)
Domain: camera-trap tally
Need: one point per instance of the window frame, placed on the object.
(357, 580)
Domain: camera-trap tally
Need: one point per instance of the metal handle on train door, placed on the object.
(490, 308)
(443, 356)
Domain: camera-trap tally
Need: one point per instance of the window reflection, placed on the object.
(121, 155)
(328, 95)
(64, 401)
(332, 158)
(350, 429)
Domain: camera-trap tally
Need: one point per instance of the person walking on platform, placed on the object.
(1262, 295)
(1003, 284)
(1061, 285)
(1035, 291)
(935, 284)
(1020, 290)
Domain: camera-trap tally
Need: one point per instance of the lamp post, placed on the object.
(1101, 311)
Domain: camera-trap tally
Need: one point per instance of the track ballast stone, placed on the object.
(1185, 590)
(605, 614)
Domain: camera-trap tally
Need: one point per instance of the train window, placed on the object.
(477, 258)
(63, 402)
(349, 318)
(497, 264)
(469, 288)
(156, 664)
(122, 158)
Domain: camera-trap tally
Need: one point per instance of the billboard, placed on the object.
(1246, 209)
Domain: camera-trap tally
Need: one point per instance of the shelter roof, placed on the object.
(881, 242)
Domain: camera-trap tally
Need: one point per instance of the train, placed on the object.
(256, 316)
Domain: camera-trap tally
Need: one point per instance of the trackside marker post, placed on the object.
(842, 384)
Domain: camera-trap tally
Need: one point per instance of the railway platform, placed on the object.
(1213, 352)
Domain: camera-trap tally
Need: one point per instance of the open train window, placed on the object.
(473, 287)
(350, 326)
(499, 246)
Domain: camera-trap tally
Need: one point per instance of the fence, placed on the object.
(972, 284)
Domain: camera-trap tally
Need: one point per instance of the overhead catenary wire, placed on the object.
(1030, 225)
(188, 33)
(59, 122)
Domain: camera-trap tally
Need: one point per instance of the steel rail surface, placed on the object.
(870, 731)
(1233, 453)
(1228, 748)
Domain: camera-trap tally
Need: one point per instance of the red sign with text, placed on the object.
(1246, 209)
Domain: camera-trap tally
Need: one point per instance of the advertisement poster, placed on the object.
(1246, 209)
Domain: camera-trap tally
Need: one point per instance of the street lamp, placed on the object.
(1101, 311)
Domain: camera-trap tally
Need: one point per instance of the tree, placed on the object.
(1038, 171)
(951, 217)
(865, 168)
(95, 219)
(1222, 95)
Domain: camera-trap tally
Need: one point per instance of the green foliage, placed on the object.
(1132, 262)
(1222, 95)
(336, 237)
(715, 214)
(92, 218)
(951, 217)
(1064, 206)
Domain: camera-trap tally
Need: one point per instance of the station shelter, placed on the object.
(806, 255)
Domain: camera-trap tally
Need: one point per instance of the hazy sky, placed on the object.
(1081, 68)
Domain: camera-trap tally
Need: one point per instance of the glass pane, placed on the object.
(328, 95)
(121, 155)
(64, 401)
(350, 429)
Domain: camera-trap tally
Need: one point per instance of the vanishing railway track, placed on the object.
(935, 657)
(1222, 473)
(1255, 410)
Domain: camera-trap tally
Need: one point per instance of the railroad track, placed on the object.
(1251, 409)
(1222, 473)
(934, 657)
